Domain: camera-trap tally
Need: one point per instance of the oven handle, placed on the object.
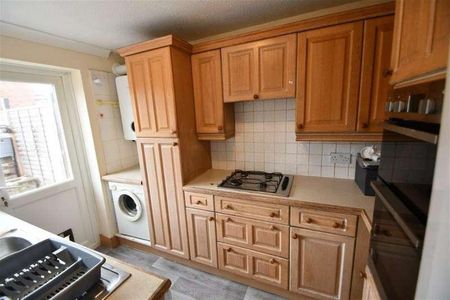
(416, 134)
(389, 205)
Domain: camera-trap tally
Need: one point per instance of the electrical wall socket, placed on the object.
(341, 158)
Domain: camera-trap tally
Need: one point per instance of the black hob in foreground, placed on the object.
(257, 181)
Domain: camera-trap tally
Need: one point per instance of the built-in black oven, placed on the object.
(403, 191)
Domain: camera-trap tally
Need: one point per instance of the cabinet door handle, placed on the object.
(294, 236)
(228, 220)
(387, 72)
(272, 228)
(308, 220)
(255, 96)
(365, 125)
(273, 215)
(300, 126)
(272, 261)
(175, 144)
(211, 218)
(220, 128)
(229, 249)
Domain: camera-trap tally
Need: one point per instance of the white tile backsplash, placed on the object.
(265, 140)
(119, 153)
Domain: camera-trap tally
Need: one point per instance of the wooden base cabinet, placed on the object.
(320, 264)
(258, 266)
(202, 236)
(162, 178)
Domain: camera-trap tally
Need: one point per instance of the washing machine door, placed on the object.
(130, 206)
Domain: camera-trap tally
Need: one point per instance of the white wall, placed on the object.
(434, 274)
(78, 64)
(265, 141)
(119, 153)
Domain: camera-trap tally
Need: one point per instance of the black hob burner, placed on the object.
(258, 181)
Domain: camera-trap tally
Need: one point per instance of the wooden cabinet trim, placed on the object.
(255, 235)
(337, 18)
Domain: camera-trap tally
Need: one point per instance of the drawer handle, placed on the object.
(211, 218)
(273, 228)
(273, 215)
(198, 202)
(294, 236)
(255, 96)
(228, 206)
(228, 220)
(308, 220)
(229, 249)
(272, 261)
(175, 144)
(362, 275)
(336, 225)
(220, 128)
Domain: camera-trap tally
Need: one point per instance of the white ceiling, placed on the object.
(114, 24)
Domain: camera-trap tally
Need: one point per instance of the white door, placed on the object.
(43, 174)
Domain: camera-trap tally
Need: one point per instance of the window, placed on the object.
(32, 146)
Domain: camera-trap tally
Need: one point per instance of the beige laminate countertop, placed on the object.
(140, 285)
(309, 191)
(130, 176)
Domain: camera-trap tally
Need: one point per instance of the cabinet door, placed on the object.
(277, 61)
(207, 76)
(163, 184)
(321, 264)
(240, 72)
(375, 74)
(202, 236)
(254, 265)
(328, 69)
(152, 95)
(260, 236)
(421, 38)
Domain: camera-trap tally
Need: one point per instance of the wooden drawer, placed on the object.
(257, 266)
(200, 201)
(324, 221)
(255, 235)
(253, 209)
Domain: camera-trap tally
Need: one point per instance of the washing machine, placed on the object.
(131, 210)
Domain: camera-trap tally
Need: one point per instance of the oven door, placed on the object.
(396, 244)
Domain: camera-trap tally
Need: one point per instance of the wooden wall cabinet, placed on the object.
(375, 74)
(160, 163)
(259, 70)
(202, 236)
(214, 118)
(328, 71)
(320, 264)
(343, 76)
(152, 95)
(421, 39)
